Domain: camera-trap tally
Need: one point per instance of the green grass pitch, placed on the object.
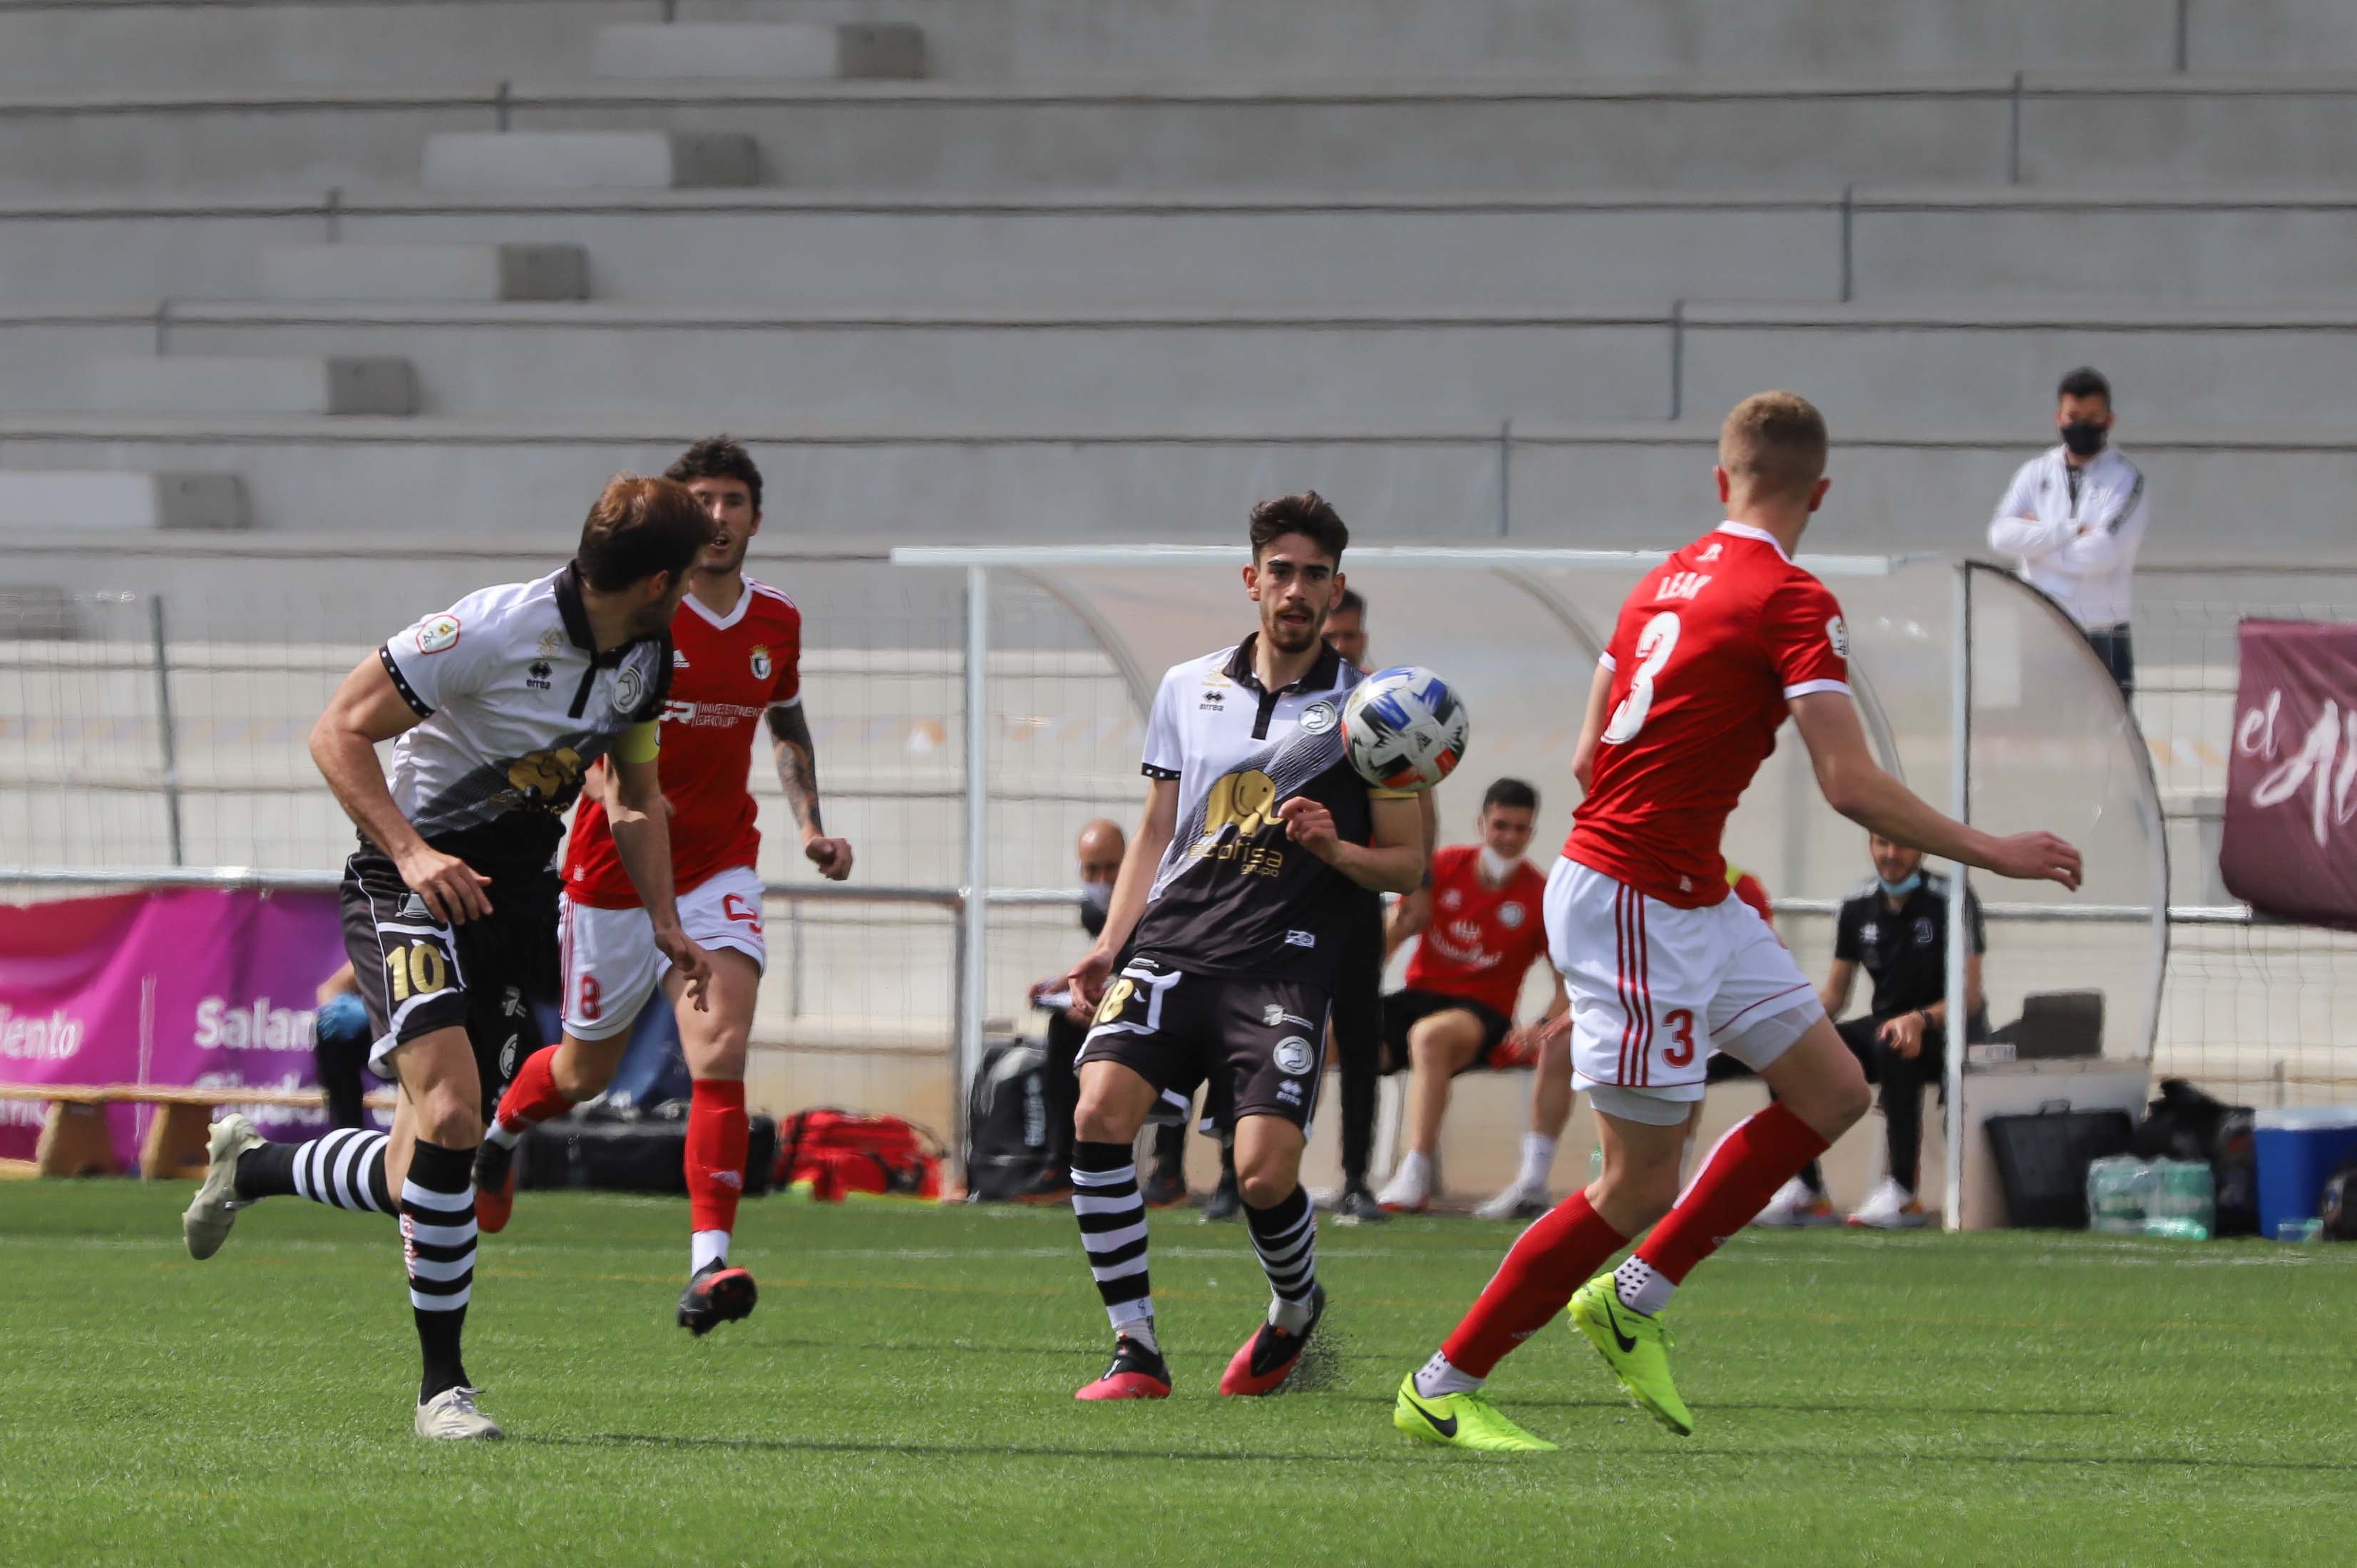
(903, 1396)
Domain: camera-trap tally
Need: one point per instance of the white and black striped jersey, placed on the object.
(1233, 896)
(516, 703)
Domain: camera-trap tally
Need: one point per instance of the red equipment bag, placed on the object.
(847, 1151)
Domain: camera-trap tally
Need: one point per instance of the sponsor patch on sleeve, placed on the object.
(438, 634)
(1838, 635)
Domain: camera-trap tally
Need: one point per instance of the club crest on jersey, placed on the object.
(1317, 719)
(552, 643)
(761, 665)
(1838, 635)
(1512, 916)
(1293, 1055)
(438, 634)
(1450, 897)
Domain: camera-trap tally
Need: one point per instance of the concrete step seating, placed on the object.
(775, 51)
(296, 383)
(1683, 132)
(118, 500)
(2180, 363)
(1205, 249)
(472, 273)
(101, 42)
(1928, 488)
(588, 160)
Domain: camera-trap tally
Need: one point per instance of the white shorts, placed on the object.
(611, 964)
(1655, 989)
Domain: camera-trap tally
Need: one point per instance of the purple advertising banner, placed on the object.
(192, 988)
(2290, 846)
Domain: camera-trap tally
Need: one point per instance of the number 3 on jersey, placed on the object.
(1654, 646)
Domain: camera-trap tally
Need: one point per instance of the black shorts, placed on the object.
(416, 975)
(1402, 1010)
(1258, 1042)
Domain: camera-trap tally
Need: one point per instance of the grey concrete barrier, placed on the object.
(114, 500)
(2219, 493)
(1156, 368)
(588, 160)
(777, 52)
(202, 384)
(2186, 363)
(476, 273)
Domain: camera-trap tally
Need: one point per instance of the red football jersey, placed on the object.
(1707, 655)
(1480, 940)
(726, 672)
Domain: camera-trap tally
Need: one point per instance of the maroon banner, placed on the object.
(2291, 844)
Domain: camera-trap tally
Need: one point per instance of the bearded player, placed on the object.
(737, 662)
(1714, 649)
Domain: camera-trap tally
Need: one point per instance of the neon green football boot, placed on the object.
(1461, 1421)
(1635, 1347)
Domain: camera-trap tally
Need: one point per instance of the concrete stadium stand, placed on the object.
(112, 500)
(2218, 493)
(1689, 131)
(1150, 367)
(93, 42)
(484, 274)
(588, 160)
(1203, 250)
(199, 384)
(774, 51)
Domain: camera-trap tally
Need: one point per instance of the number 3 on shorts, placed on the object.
(1654, 646)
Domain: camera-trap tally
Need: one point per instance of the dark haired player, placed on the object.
(1219, 952)
(737, 663)
(501, 704)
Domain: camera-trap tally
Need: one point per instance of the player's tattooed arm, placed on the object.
(797, 756)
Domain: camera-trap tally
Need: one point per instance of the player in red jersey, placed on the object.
(1712, 650)
(737, 662)
(1477, 930)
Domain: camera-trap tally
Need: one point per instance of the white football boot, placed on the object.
(451, 1416)
(1892, 1207)
(214, 1210)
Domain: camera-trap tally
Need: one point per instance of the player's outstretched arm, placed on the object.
(1394, 863)
(1127, 906)
(368, 708)
(634, 809)
(1856, 786)
(797, 757)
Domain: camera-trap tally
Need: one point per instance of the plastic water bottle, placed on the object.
(2118, 1195)
(2184, 1202)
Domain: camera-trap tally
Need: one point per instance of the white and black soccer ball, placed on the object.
(1404, 728)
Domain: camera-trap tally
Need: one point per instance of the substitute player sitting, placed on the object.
(1717, 646)
(737, 663)
(1219, 954)
(1478, 931)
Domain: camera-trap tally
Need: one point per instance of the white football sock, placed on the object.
(1139, 1326)
(502, 1134)
(707, 1246)
(1641, 1287)
(1436, 1378)
(1538, 1162)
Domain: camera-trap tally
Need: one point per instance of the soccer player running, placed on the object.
(1711, 652)
(737, 661)
(1217, 957)
(501, 704)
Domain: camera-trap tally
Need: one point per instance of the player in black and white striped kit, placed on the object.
(1219, 953)
(501, 704)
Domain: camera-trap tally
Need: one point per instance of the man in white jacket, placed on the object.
(2075, 518)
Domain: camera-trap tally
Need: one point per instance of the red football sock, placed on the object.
(1561, 1251)
(533, 1098)
(1763, 1153)
(715, 1154)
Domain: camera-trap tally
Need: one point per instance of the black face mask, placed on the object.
(2084, 439)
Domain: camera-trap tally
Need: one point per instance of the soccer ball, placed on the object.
(1404, 728)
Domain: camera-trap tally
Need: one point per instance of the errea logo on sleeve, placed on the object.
(438, 634)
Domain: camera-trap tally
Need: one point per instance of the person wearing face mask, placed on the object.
(2073, 518)
(1896, 929)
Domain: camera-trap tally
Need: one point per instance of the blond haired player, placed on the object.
(1711, 653)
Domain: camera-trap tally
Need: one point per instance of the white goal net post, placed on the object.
(1973, 687)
